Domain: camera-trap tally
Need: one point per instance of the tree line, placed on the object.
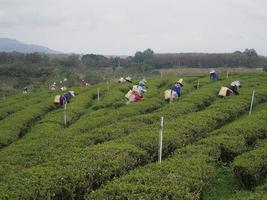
(247, 58)
(22, 69)
(147, 60)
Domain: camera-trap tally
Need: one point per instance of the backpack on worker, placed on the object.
(170, 95)
(128, 94)
(57, 99)
(225, 91)
(167, 94)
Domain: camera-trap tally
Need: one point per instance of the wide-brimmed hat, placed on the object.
(212, 71)
(144, 80)
(142, 83)
(180, 81)
(72, 93)
(236, 83)
(128, 78)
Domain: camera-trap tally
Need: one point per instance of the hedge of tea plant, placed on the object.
(186, 174)
(29, 99)
(259, 193)
(16, 125)
(59, 166)
(251, 168)
(43, 145)
(100, 171)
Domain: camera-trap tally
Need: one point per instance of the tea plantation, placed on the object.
(212, 148)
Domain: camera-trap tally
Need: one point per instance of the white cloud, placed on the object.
(125, 26)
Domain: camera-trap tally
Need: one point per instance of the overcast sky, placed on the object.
(122, 27)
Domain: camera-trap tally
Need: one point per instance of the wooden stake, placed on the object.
(227, 75)
(252, 100)
(65, 115)
(198, 84)
(160, 138)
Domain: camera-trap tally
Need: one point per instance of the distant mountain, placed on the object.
(9, 45)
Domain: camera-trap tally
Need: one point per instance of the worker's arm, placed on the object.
(235, 90)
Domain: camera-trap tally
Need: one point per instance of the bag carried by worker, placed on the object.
(128, 94)
(135, 88)
(225, 91)
(57, 99)
(168, 94)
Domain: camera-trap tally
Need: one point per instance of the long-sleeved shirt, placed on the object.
(234, 89)
(65, 98)
(177, 88)
(213, 76)
(141, 89)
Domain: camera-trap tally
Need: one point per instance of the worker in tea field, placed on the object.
(137, 93)
(62, 87)
(213, 75)
(53, 86)
(25, 90)
(60, 100)
(84, 83)
(231, 90)
(175, 91)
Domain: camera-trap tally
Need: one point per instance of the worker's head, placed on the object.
(72, 93)
(180, 82)
(212, 71)
(142, 83)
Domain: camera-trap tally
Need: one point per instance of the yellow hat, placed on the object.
(180, 81)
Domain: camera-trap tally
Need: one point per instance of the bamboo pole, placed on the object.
(160, 139)
(252, 100)
(65, 115)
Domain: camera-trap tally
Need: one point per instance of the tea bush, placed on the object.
(66, 163)
(251, 168)
(186, 174)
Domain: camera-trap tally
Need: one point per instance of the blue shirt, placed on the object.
(177, 88)
(213, 76)
(65, 98)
